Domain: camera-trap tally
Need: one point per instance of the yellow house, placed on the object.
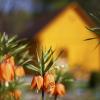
(67, 31)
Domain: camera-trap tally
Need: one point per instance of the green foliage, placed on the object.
(43, 61)
(93, 10)
(19, 50)
(64, 77)
(9, 87)
(95, 29)
(16, 48)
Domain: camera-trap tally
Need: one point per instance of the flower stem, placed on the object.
(55, 97)
(42, 94)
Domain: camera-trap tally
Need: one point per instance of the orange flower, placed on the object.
(17, 94)
(0, 74)
(48, 80)
(59, 89)
(7, 69)
(19, 71)
(10, 60)
(51, 88)
(37, 82)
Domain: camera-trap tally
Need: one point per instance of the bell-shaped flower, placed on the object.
(19, 71)
(59, 89)
(7, 69)
(48, 80)
(51, 88)
(37, 82)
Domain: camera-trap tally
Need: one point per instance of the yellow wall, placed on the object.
(68, 30)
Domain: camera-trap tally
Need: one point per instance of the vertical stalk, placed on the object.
(99, 56)
(55, 97)
(42, 94)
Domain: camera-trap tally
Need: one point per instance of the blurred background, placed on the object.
(62, 24)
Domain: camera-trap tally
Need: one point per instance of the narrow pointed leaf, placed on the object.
(42, 63)
(48, 57)
(19, 49)
(50, 64)
(12, 39)
(31, 67)
(47, 53)
(90, 39)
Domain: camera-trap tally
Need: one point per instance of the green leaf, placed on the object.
(27, 61)
(42, 63)
(97, 19)
(38, 58)
(50, 64)
(47, 58)
(47, 53)
(12, 39)
(90, 39)
(95, 29)
(58, 55)
(2, 37)
(19, 49)
(32, 67)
